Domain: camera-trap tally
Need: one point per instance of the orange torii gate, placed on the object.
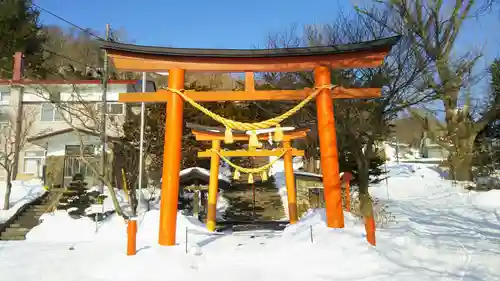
(216, 153)
(177, 61)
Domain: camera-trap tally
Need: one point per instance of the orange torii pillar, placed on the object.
(213, 187)
(171, 161)
(328, 150)
(291, 190)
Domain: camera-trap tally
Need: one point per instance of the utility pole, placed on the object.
(141, 144)
(103, 126)
(17, 77)
(103, 113)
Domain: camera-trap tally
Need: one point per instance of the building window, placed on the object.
(4, 97)
(32, 163)
(115, 108)
(50, 113)
(4, 114)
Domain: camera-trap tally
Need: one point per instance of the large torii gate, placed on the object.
(178, 60)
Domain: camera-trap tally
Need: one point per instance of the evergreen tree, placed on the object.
(20, 31)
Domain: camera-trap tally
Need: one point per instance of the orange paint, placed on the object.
(213, 187)
(131, 237)
(138, 62)
(370, 230)
(209, 136)
(290, 184)
(171, 161)
(347, 179)
(252, 95)
(250, 153)
(249, 82)
(328, 150)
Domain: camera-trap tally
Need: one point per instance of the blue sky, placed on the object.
(229, 24)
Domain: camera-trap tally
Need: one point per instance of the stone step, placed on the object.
(29, 223)
(14, 225)
(39, 207)
(17, 237)
(15, 231)
(32, 213)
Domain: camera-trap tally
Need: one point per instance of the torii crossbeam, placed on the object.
(177, 61)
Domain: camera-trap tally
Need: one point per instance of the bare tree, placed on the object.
(8, 147)
(433, 27)
(362, 124)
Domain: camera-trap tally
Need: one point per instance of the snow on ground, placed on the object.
(441, 233)
(23, 192)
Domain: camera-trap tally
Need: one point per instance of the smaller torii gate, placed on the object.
(215, 153)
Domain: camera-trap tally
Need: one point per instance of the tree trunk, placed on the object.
(116, 204)
(8, 190)
(460, 166)
(363, 170)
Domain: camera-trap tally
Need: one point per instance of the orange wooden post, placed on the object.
(290, 183)
(370, 230)
(171, 161)
(328, 150)
(213, 187)
(347, 179)
(131, 237)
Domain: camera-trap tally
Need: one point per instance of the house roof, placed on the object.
(65, 131)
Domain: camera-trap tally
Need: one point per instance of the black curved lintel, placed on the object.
(374, 45)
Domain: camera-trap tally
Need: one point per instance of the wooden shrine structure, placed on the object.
(177, 61)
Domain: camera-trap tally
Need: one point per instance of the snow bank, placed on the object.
(23, 192)
(108, 201)
(489, 200)
(59, 227)
(443, 232)
(278, 171)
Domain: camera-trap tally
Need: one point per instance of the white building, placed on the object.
(52, 110)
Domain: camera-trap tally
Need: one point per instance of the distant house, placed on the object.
(410, 138)
(200, 176)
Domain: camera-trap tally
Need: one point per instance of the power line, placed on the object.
(67, 21)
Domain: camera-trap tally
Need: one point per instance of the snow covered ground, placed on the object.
(23, 192)
(441, 233)
(278, 172)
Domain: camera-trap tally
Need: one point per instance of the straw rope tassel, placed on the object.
(263, 176)
(228, 136)
(250, 178)
(278, 133)
(236, 174)
(253, 141)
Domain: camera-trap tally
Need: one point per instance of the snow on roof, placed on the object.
(308, 174)
(203, 171)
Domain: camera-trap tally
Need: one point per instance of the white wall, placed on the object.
(93, 92)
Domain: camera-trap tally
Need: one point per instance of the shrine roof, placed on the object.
(384, 44)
